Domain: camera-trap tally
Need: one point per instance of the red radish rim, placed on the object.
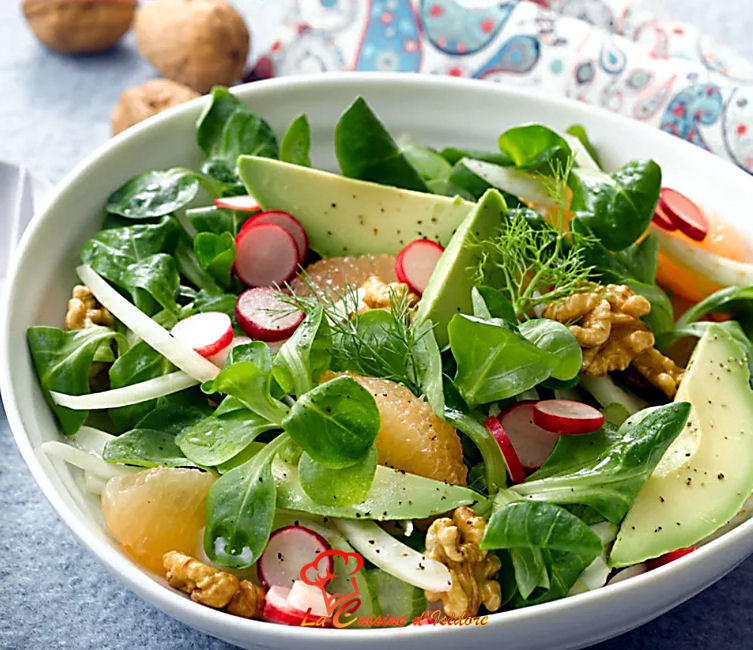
(250, 318)
(509, 455)
(242, 252)
(303, 531)
(296, 229)
(231, 203)
(551, 438)
(670, 556)
(277, 608)
(663, 221)
(684, 213)
(400, 262)
(216, 346)
(553, 416)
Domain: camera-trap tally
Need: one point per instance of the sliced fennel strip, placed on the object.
(127, 395)
(89, 462)
(394, 557)
(147, 329)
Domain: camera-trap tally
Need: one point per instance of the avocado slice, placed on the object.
(706, 474)
(344, 216)
(393, 495)
(449, 289)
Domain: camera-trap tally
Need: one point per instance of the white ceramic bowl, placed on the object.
(430, 110)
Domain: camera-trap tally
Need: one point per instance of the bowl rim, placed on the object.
(178, 605)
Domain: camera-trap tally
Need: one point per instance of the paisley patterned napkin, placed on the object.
(613, 53)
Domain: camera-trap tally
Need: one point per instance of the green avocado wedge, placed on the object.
(706, 474)
(393, 495)
(449, 289)
(344, 216)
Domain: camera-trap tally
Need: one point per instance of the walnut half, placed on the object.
(85, 311)
(607, 325)
(211, 587)
(455, 543)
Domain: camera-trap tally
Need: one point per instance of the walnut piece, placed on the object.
(200, 43)
(79, 26)
(211, 587)
(150, 98)
(378, 294)
(455, 543)
(85, 311)
(606, 323)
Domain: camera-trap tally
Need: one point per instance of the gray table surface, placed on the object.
(53, 111)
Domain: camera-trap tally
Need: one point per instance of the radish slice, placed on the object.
(628, 572)
(288, 551)
(146, 329)
(662, 220)
(263, 316)
(220, 358)
(656, 562)
(415, 263)
(127, 395)
(265, 254)
(514, 467)
(207, 333)
(245, 203)
(289, 223)
(532, 443)
(308, 598)
(279, 610)
(565, 416)
(685, 214)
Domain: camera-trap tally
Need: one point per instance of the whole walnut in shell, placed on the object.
(148, 99)
(79, 26)
(201, 43)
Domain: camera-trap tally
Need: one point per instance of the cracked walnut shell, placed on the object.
(455, 543)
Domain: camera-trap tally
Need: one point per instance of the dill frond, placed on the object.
(362, 342)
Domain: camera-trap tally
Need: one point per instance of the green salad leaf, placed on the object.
(63, 361)
(146, 448)
(110, 252)
(154, 194)
(153, 282)
(241, 509)
(336, 422)
(617, 207)
(216, 255)
(305, 355)
(559, 341)
(366, 151)
(228, 129)
(296, 143)
(344, 486)
(549, 547)
(609, 481)
(216, 439)
(427, 162)
(494, 362)
(247, 376)
(534, 147)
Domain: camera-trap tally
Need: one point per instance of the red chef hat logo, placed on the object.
(318, 574)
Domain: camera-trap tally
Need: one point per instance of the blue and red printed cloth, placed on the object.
(612, 53)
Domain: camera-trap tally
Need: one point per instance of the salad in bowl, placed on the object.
(437, 385)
